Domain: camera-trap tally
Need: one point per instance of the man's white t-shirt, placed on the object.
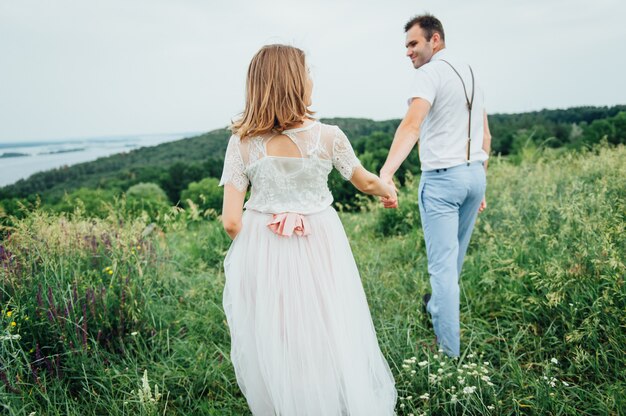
(443, 136)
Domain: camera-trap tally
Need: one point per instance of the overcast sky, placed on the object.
(82, 68)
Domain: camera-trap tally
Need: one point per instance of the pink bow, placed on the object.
(287, 223)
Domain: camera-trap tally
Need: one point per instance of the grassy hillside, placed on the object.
(99, 313)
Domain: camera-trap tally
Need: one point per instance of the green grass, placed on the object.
(98, 302)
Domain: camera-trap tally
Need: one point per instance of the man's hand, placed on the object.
(483, 205)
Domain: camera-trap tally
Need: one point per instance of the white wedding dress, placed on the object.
(302, 338)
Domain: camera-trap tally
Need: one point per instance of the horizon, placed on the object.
(200, 132)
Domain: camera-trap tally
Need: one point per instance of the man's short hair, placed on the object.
(429, 24)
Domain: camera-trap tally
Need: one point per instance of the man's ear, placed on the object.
(436, 39)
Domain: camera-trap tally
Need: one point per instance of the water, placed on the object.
(41, 156)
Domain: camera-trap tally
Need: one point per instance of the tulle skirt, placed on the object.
(302, 338)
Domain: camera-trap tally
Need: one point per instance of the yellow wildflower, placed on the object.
(110, 271)
(13, 323)
(9, 313)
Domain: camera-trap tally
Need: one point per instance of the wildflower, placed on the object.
(565, 383)
(409, 397)
(134, 333)
(110, 271)
(470, 356)
(469, 390)
(413, 372)
(13, 323)
(425, 396)
(436, 357)
(401, 405)
(486, 363)
(423, 363)
(554, 360)
(405, 366)
(9, 313)
(440, 370)
(491, 407)
(486, 378)
(453, 399)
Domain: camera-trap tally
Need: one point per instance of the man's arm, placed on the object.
(405, 138)
(487, 149)
(486, 138)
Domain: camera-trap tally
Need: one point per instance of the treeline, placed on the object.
(178, 167)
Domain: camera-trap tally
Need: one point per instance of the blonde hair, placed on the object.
(276, 89)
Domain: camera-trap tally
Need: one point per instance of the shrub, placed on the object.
(148, 198)
(206, 195)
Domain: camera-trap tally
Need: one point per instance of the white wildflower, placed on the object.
(453, 399)
(491, 407)
(423, 363)
(554, 360)
(469, 389)
(425, 396)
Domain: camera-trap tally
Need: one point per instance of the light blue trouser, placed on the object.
(449, 200)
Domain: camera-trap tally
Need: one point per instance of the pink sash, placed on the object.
(288, 223)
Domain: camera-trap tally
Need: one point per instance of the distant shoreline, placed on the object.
(13, 154)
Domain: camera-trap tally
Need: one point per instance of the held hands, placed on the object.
(390, 201)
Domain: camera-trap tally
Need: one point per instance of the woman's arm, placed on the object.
(232, 210)
(370, 184)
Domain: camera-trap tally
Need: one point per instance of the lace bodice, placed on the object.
(289, 184)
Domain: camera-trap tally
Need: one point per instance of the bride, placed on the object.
(302, 338)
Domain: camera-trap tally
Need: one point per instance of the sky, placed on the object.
(87, 68)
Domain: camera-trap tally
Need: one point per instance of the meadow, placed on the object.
(122, 315)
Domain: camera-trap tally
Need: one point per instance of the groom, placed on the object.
(446, 116)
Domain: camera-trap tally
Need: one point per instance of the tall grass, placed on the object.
(115, 316)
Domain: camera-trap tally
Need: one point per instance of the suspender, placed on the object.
(469, 105)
